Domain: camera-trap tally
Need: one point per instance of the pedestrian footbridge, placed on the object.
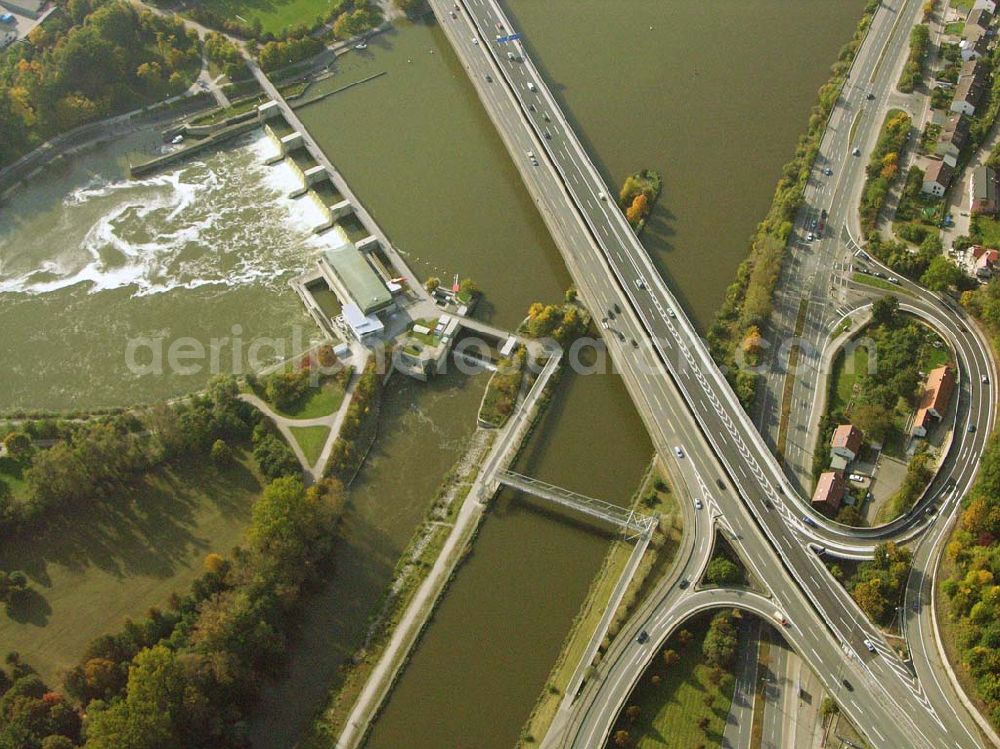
(631, 522)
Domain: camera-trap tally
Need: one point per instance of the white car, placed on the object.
(475, 40)
(679, 451)
(856, 477)
(697, 504)
(780, 618)
(870, 645)
(810, 237)
(531, 86)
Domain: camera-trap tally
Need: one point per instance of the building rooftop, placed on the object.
(358, 277)
(938, 171)
(956, 131)
(937, 393)
(984, 182)
(847, 436)
(829, 489)
(361, 323)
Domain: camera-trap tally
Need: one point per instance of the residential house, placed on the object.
(829, 491)
(937, 394)
(937, 177)
(988, 5)
(973, 49)
(983, 190)
(983, 261)
(978, 23)
(972, 84)
(847, 441)
(954, 137)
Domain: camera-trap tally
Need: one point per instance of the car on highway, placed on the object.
(870, 97)
(893, 279)
(475, 40)
(721, 484)
(870, 645)
(611, 314)
(972, 428)
(602, 196)
(453, 14)
(643, 637)
(510, 56)
(856, 151)
(679, 451)
(780, 618)
(532, 86)
(671, 312)
(931, 510)
(828, 172)
(986, 380)
(489, 78)
(617, 307)
(809, 521)
(683, 584)
(635, 343)
(697, 504)
(604, 323)
(640, 284)
(847, 685)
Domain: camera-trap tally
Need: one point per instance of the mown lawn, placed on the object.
(990, 230)
(319, 401)
(670, 711)
(275, 15)
(845, 377)
(93, 568)
(311, 440)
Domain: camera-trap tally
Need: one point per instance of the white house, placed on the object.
(937, 177)
(987, 5)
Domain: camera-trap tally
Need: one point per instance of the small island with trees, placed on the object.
(637, 196)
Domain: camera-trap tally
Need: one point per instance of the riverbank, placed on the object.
(653, 498)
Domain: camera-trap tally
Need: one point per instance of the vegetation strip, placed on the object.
(788, 385)
(749, 298)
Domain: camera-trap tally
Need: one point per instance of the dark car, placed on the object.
(848, 686)
(721, 484)
(643, 637)
(972, 427)
(618, 309)
(809, 521)
(683, 585)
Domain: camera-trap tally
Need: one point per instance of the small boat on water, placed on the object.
(361, 45)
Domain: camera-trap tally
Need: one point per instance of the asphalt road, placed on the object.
(687, 405)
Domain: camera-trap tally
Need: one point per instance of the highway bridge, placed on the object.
(695, 420)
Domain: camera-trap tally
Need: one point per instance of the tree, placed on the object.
(874, 419)
(670, 657)
(884, 310)
(409, 7)
(719, 646)
(622, 738)
(19, 446)
(221, 454)
(638, 209)
(941, 274)
(722, 571)
(432, 283)
(684, 637)
(632, 712)
(703, 724)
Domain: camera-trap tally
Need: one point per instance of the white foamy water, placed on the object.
(224, 220)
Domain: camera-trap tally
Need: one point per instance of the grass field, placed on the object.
(321, 401)
(311, 440)
(990, 230)
(878, 283)
(670, 710)
(955, 29)
(844, 377)
(275, 15)
(10, 474)
(95, 567)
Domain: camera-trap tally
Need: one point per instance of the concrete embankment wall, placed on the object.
(227, 133)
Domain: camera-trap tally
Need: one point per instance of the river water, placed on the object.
(100, 274)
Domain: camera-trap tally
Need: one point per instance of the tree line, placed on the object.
(91, 59)
(188, 676)
(748, 300)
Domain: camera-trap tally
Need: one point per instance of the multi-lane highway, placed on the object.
(695, 421)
